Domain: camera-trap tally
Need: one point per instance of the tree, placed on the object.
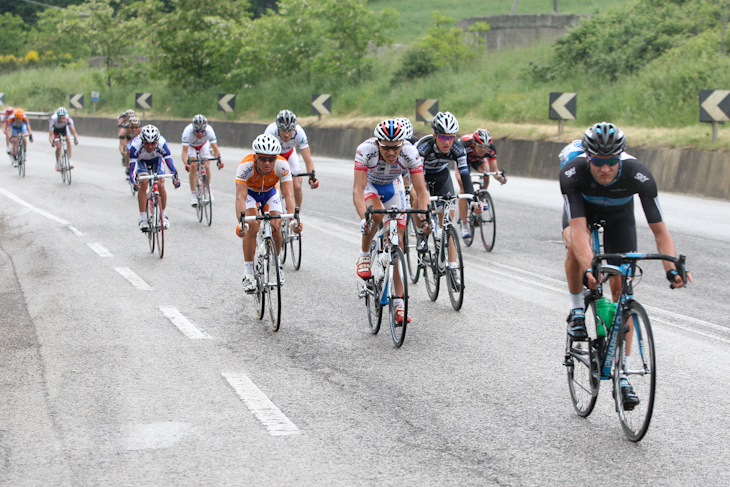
(15, 34)
(198, 40)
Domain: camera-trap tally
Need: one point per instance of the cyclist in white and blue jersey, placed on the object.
(146, 155)
(570, 152)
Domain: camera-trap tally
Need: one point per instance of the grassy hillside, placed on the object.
(416, 14)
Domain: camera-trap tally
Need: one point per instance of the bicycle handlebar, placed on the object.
(392, 211)
(155, 176)
(196, 159)
(633, 257)
(267, 216)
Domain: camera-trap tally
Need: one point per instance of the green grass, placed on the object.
(415, 15)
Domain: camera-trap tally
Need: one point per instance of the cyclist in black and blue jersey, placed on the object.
(600, 186)
(437, 151)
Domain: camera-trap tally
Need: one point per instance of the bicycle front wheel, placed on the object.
(207, 201)
(199, 197)
(431, 274)
(284, 241)
(159, 227)
(637, 361)
(296, 250)
(581, 363)
(151, 222)
(273, 284)
(410, 239)
(455, 272)
(372, 297)
(470, 222)
(488, 226)
(397, 277)
(21, 161)
(261, 279)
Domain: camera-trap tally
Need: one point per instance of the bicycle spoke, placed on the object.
(372, 297)
(455, 273)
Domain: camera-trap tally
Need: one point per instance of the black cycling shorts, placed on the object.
(439, 183)
(619, 226)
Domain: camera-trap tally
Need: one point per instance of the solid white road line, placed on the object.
(99, 249)
(136, 281)
(183, 324)
(262, 408)
(76, 231)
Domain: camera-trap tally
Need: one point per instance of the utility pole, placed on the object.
(555, 7)
(514, 7)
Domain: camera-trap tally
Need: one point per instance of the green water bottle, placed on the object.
(605, 310)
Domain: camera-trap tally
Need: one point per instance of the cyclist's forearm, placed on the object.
(664, 242)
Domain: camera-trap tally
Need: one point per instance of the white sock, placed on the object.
(248, 268)
(142, 216)
(363, 253)
(453, 265)
(576, 300)
(627, 363)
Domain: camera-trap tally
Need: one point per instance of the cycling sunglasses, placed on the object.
(600, 162)
(266, 158)
(390, 147)
(446, 138)
(200, 131)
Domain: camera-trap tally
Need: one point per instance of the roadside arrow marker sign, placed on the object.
(2, 98)
(226, 103)
(143, 101)
(563, 106)
(321, 104)
(76, 100)
(426, 109)
(714, 105)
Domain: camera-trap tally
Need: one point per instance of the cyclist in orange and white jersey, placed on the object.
(257, 176)
(292, 136)
(18, 125)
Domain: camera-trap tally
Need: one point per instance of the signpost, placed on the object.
(94, 99)
(563, 106)
(321, 104)
(226, 103)
(714, 108)
(426, 109)
(143, 101)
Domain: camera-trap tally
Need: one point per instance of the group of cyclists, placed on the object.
(385, 160)
(16, 125)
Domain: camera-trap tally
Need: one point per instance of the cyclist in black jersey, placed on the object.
(600, 186)
(481, 155)
(437, 151)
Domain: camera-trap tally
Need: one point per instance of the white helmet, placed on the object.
(390, 130)
(407, 126)
(149, 134)
(266, 144)
(444, 123)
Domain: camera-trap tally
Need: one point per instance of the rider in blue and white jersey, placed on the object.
(146, 155)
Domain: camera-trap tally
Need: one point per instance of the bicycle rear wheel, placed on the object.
(296, 250)
(159, 226)
(582, 366)
(410, 239)
(151, 223)
(397, 274)
(207, 202)
(638, 344)
(488, 226)
(455, 275)
(273, 284)
(431, 274)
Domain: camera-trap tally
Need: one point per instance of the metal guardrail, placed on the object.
(39, 115)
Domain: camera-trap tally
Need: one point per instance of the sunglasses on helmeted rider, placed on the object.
(446, 138)
(266, 158)
(600, 162)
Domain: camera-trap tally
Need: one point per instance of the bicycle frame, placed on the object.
(445, 205)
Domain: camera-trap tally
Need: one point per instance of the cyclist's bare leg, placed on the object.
(207, 171)
(452, 248)
(142, 196)
(376, 219)
(57, 145)
(276, 232)
(68, 147)
(193, 177)
(249, 239)
(572, 267)
(163, 195)
(396, 272)
(15, 146)
(297, 193)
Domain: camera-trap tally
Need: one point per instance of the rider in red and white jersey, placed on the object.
(199, 136)
(379, 163)
(292, 136)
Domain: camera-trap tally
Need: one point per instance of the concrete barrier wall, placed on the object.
(702, 173)
(522, 30)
